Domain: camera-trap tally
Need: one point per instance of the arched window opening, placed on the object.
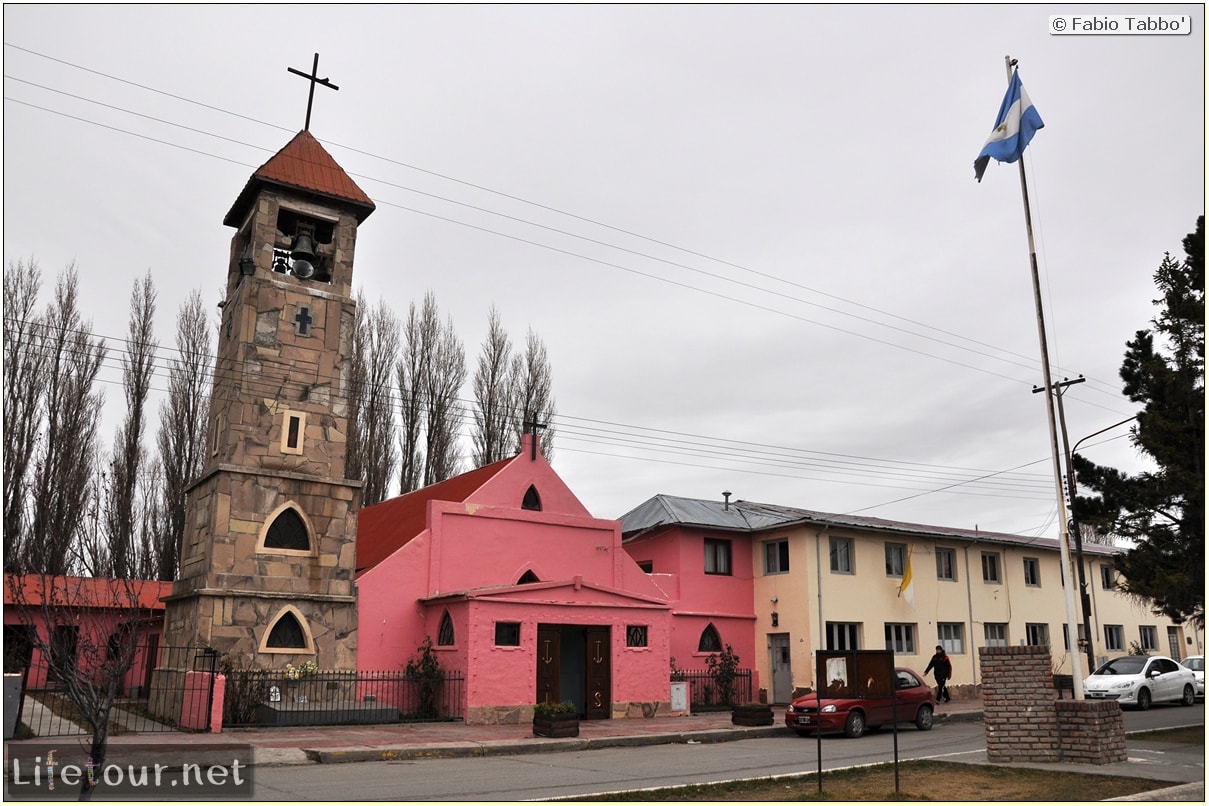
(528, 578)
(287, 633)
(288, 531)
(445, 631)
(532, 500)
(710, 641)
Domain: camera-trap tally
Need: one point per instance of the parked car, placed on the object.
(852, 716)
(1197, 664)
(1139, 680)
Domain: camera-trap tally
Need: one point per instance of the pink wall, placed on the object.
(700, 598)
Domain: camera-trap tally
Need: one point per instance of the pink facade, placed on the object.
(720, 597)
(84, 614)
(520, 589)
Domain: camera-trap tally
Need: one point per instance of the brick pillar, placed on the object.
(1018, 704)
(1093, 731)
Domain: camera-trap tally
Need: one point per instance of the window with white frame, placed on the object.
(995, 634)
(896, 560)
(776, 557)
(1108, 577)
(841, 555)
(900, 638)
(1036, 634)
(951, 636)
(842, 635)
(990, 567)
(946, 564)
(1114, 638)
(1066, 636)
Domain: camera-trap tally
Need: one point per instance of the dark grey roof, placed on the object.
(749, 516)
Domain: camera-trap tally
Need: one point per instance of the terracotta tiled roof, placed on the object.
(382, 529)
(84, 592)
(304, 165)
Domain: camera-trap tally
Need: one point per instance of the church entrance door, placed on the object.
(574, 663)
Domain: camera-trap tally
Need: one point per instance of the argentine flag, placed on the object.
(1018, 121)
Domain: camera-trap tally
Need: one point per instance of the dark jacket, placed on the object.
(943, 666)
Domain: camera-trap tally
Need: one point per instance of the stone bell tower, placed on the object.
(268, 553)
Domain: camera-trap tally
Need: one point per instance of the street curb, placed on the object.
(524, 746)
(468, 749)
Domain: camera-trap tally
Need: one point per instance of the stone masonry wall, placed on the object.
(1025, 722)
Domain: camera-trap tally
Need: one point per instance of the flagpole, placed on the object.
(1069, 571)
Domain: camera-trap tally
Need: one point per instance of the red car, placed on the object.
(852, 716)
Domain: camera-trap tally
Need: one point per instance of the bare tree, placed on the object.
(443, 411)
(533, 383)
(372, 414)
(493, 414)
(89, 655)
(24, 378)
(409, 373)
(71, 408)
(138, 363)
(181, 439)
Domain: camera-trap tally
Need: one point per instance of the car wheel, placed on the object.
(1189, 696)
(923, 718)
(1144, 699)
(854, 727)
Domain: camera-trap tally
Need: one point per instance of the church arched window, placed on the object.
(710, 641)
(528, 578)
(532, 500)
(288, 531)
(286, 633)
(445, 631)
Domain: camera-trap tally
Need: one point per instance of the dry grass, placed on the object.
(928, 781)
(917, 781)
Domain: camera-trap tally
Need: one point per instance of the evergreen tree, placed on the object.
(1162, 511)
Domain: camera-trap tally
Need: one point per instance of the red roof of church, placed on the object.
(85, 592)
(382, 529)
(305, 165)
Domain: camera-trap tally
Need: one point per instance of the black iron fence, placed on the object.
(270, 697)
(59, 696)
(706, 689)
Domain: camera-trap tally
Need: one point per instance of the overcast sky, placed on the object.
(750, 237)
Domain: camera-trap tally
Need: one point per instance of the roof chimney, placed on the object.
(726, 500)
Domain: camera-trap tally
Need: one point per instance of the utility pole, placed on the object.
(1084, 599)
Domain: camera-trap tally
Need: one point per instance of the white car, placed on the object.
(1139, 680)
(1197, 664)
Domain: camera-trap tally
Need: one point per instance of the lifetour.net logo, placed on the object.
(61, 771)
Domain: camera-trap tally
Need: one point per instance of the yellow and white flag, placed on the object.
(906, 590)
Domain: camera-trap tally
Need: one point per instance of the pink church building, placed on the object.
(533, 599)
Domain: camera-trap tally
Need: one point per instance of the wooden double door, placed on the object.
(574, 663)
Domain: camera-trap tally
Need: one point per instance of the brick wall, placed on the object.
(1025, 722)
(1018, 704)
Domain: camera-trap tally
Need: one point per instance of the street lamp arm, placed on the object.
(1101, 431)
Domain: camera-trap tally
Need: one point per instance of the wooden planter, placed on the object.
(556, 726)
(751, 715)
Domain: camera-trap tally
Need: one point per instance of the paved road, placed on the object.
(551, 775)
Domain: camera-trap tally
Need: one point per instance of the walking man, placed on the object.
(942, 668)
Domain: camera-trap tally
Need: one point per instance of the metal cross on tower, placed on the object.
(313, 77)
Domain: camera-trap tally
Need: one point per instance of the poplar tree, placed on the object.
(69, 411)
(181, 438)
(24, 380)
(122, 510)
(493, 389)
(533, 396)
(373, 455)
